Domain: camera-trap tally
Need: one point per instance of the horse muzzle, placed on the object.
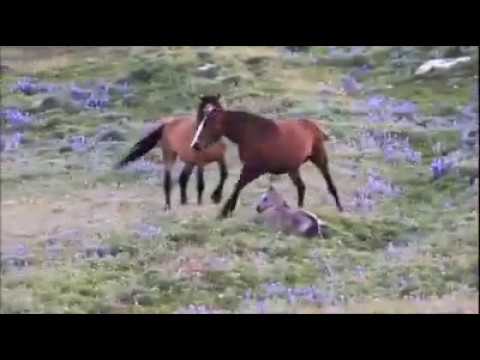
(196, 146)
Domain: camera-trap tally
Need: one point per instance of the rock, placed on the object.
(141, 75)
(71, 237)
(118, 90)
(50, 102)
(111, 135)
(361, 72)
(325, 89)
(453, 52)
(65, 149)
(56, 102)
(12, 261)
(231, 80)
(442, 65)
(204, 55)
(298, 48)
(131, 100)
(101, 251)
(343, 60)
(146, 231)
(256, 60)
(5, 69)
(112, 116)
(58, 134)
(210, 71)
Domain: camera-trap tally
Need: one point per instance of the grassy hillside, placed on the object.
(79, 237)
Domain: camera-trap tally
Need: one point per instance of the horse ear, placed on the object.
(271, 188)
(219, 96)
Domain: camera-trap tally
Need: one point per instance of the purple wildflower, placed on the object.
(196, 309)
(145, 231)
(79, 94)
(363, 200)
(16, 117)
(361, 72)
(376, 102)
(441, 166)
(261, 306)
(413, 157)
(29, 86)
(79, 143)
(351, 85)
(14, 142)
(379, 185)
(291, 297)
(405, 108)
(97, 102)
(143, 166)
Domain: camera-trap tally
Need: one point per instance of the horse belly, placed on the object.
(204, 157)
(285, 160)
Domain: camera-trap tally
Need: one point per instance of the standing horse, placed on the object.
(264, 146)
(174, 136)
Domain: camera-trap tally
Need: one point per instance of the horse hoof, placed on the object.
(216, 198)
(167, 208)
(224, 214)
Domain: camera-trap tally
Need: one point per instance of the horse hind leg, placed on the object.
(167, 187)
(298, 182)
(217, 194)
(320, 159)
(200, 184)
(183, 182)
(169, 159)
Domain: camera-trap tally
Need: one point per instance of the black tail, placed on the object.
(142, 147)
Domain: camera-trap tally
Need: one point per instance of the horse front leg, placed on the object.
(298, 182)
(247, 175)
(217, 194)
(183, 182)
(200, 184)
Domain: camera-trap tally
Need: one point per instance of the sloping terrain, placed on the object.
(80, 237)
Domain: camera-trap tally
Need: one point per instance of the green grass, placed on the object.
(197, 259)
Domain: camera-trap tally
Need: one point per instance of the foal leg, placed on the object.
(320, 159)
(217, 194)
(183, 182)
(200, 184)
(298, 182)
(246, 176)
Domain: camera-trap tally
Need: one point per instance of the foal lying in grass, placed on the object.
(279, 216)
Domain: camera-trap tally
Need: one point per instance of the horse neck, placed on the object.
(241, 125)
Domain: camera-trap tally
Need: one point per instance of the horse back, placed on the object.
(178, 136)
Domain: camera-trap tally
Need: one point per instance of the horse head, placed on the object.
(209, 127)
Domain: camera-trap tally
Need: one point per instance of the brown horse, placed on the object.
(174, 136)
(264, 146)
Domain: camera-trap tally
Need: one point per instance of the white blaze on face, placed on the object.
(198, 132)
(207, 110)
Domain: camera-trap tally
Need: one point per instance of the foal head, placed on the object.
(271, 198)
(209, 127)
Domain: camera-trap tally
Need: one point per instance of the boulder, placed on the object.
(131, 100)
(110, 134)
(209, 71)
